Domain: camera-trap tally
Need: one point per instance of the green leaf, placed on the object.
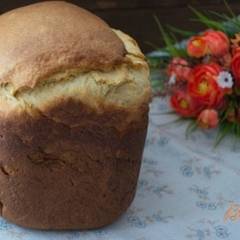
(236, 22)
(154, 46)
(157, 62)
(237, 91)
(224, 130)
(230, 26)
(192, 126)
(220, 15)
(229, 9)
(181, 32)
(238, 130)
(233, 22)
(169, 40)
(210, 24)
(206, 20)
(173, 36)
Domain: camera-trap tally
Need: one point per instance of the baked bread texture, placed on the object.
(74, 97)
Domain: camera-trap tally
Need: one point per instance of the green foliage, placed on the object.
(192, 126)
(227, 129)
(170, 42)
(231, 25)
(229, 9)
(183, 33)
(228, 23)
(210, 23)
(159, 62)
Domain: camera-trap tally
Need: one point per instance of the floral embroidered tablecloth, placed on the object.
(186, 190)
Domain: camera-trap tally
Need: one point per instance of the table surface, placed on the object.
(185, 188)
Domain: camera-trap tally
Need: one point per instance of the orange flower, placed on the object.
(183, 104)
(235, 66)
(197, 47)
(211, 42)
(203, 86)
(217, 42)
(208, 118)
(180, 68)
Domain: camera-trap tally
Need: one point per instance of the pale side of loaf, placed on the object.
(74, 98)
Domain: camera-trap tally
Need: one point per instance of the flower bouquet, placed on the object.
(204, 75)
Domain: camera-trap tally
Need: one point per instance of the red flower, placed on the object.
(217, 43)
(208, 118)
(203, 86)
(235, 66)
(235, 50)
(197, 47)
(180, 68)
(183, 104)
(211, 42)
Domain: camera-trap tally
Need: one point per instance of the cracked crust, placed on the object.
(57, 176)
(126, 86)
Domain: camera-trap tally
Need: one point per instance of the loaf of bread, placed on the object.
(74, 98)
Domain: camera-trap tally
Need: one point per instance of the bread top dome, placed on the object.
(53, 52)
(44, 38)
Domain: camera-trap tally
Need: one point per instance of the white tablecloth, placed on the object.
(184, 190)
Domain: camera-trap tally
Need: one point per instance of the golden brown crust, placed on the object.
(73, 117)
(57, 176)
(49, 37)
